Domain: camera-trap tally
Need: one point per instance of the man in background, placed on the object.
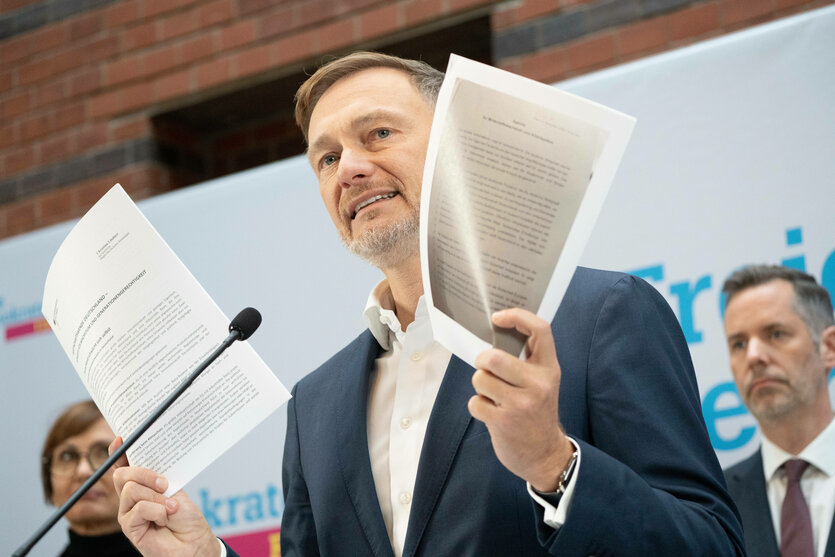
(781, 340)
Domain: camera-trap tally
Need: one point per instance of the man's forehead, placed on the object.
(767, 303)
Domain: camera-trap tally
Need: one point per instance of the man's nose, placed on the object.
(355, 168)
(757, 352)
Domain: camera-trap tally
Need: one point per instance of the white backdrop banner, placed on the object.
(731, 162)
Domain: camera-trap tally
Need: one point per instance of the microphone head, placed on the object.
(246, 322)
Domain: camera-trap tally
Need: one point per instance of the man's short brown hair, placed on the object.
(426, 79)
(74, 420)
(811, 300)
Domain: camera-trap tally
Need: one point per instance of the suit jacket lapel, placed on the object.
(752, 501)
(352, 446)
(447, 424)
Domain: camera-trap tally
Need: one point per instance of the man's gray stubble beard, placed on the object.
(386, 246)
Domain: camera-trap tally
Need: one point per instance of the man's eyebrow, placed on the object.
(360, 121)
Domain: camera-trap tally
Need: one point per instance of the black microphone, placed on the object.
(241, 328)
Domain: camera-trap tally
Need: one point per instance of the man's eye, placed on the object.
(328, 160)
(777, 334)
(737, 345)
(383, 133)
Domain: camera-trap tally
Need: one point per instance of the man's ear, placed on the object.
(827, 347)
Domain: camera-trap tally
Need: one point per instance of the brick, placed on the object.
(642, 36)
(106, 104)
(177, 25)
(459, 5)
(5, 80)
(49, 38)
(34, 72)
(9, 135)
(253, 60)
(655, 7)
(786, 4)
(294, 48)
(516, 41)
(547, 66)
(137, 96)
(69, 116)
(139, 36)
(8, 190)
(737, 11)
(379, 22)
(31, 17)
(172, 85)
(591, 53)
(215, 12)
(124, 69)
(20, 217)
(10, 5)
(49, 93)
(90, 137)
(121, 14)
(38, 182)
(611, 13)
(14, 106)
(196, 48)
(562, 28)
(316, 11)
(88, 192)
(35, 127)
(153, 8)
(694, 21)
(85, 82)
(18, 160)
(62, 63)
(278, 22)
(247, 7)
(15, 49)
(65, 9)
(86, 26)
(420, 11)
(337, 35)
(55, 149)
(237, 35)
(55, 206)
(110, 160)
(130, 128)
(160, 60)
(214, 72)
(101, 49)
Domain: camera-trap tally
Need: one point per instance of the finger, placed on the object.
(133, 493)
(141, 476)
(482, 409)
(538, 331)
(493, 388)
(114, 446)
(141, 514)
(502, 365)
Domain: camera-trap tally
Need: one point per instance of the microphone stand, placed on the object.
(234, 334)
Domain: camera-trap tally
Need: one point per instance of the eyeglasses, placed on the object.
(65, 462)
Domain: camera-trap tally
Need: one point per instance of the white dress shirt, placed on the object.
(402, 391)
(817, 483)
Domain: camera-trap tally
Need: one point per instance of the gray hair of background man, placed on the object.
(426, 79)
(811, 301)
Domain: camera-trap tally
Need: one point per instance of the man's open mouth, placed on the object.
(371, 200)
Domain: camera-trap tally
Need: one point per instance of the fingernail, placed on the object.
(161, 484)
(170, 504)
(498, 313)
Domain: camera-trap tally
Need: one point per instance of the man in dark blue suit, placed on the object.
(781, 340)
(397, 448)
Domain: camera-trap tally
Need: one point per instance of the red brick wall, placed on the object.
(78, 89)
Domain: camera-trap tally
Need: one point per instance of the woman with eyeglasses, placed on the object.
(74, 448)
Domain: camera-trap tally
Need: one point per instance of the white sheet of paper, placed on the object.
(516, 174)
(135, 323)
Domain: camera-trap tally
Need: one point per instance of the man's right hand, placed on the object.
(158, 525)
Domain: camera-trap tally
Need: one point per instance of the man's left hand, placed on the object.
(519, 402)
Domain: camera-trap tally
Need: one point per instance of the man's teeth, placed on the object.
(371, 200)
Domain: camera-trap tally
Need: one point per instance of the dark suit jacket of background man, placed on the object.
(628, 395)
(746, 482)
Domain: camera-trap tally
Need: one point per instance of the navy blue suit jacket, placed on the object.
(649, 482)
(746, 483)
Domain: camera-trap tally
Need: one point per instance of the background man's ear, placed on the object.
(827, 347)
